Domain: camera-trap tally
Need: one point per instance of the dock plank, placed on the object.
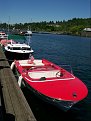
(16, 106)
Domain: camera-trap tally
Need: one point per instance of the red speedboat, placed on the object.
(50, 82)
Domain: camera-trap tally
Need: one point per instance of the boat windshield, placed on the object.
(18, 48)
(25, 48)
(67, 67)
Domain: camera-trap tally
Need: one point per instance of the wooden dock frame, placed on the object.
(16, 106)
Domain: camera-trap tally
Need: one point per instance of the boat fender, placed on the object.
(12, 65)
(20, 81)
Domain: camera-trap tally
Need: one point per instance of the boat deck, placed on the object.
(49, 72)
(43, 69)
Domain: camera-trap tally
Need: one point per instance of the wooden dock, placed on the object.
(14, 102)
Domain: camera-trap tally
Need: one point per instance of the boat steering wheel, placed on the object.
(58, 74)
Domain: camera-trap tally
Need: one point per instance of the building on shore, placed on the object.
(86, 32)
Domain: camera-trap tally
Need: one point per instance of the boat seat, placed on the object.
(46, 74)
(33, 63)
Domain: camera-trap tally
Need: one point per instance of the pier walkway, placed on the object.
(13, 105)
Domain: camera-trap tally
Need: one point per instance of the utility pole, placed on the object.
(8, 24)
(90, 8)
(90, 12)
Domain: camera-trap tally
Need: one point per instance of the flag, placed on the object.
(31, 59)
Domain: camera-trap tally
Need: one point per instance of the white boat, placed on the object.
(28, 36)
(18, 51)
(28, 33)
(3, 35)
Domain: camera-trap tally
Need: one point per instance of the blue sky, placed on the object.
(21, 11)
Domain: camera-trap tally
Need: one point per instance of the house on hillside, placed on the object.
(87, 29)
(86, 32)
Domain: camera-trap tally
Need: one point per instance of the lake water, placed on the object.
(63, 49)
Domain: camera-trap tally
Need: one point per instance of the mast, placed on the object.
(8, 24)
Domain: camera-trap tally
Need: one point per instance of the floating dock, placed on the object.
(13, 104)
